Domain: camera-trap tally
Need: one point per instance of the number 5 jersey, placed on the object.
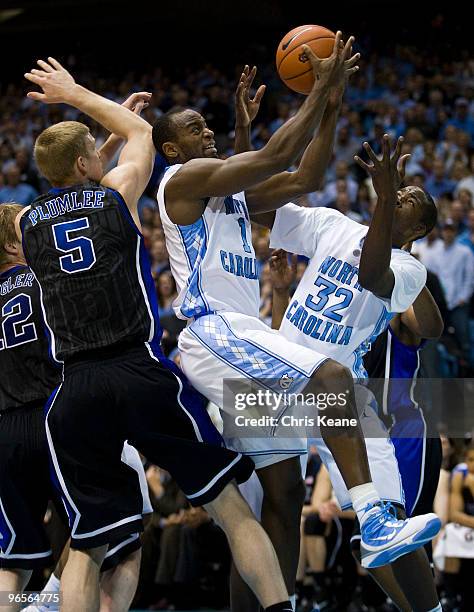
(92, 267)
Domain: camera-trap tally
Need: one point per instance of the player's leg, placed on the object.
(204, 470)
(252, 550)
(24, 492)
(100, 493)
(119, 584)
(80, 580)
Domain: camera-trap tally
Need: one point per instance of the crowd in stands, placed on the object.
(428, 101)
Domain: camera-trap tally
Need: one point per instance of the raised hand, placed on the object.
(136, 102)
(387, 173)
(55, 81)
(282, 274)
(335, 69)
(246, 108)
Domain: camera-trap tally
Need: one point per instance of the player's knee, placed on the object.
(335, 381)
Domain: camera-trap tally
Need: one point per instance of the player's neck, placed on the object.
(12, 264)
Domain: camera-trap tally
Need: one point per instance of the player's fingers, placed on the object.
(363, 165)
(386, 147)
(336, 50)
(36, 95)
(352, 61)
(370, 152)
(251, 76)
(348, 47)
(259, 94)
(398, 150)
(310, 54)
(55, 64)
(45, 66)
(402, 162)
(40, 73)
(350, 71)
(34, 78)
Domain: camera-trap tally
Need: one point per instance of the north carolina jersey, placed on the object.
(26, 374)
(213, 261)
(330, 311)
(91, 264)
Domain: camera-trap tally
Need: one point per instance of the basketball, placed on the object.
(292, 65)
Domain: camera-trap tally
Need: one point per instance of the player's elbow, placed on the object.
(433, 328)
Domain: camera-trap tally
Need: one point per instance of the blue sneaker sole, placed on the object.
(391, 554)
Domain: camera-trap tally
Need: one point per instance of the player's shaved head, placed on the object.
(8, 214)
(429, 214)
(166, 128)
(57, 149)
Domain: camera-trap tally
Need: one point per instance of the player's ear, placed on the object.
(419, 230)
(81, 164)
(170, 150)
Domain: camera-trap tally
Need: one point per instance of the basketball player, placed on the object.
(207, 233)
(25, 483)
(393, 355)
(358, 265)
(83, 243)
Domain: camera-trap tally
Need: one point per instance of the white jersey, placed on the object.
(213, 261)
(330, 312)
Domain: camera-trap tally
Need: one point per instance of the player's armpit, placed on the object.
(264, 219)
(381, 287)
(423, 318)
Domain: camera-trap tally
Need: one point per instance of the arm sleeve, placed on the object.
(410, 278)
(297, 229)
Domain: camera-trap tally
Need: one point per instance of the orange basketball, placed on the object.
(292, 64)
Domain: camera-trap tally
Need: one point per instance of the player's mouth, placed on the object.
(211, 148)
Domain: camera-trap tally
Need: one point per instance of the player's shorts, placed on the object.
(135, 395)
(419, 461)
(25, 488)
(131, 457)
(236, 346)
(380, 452)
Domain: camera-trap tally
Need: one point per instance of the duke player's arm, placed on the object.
(282, 276)
(422, 320)
(136, 161)
(136, 102)
(456, 503)
(284, 187)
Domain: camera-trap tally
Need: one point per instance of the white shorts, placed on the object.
(131, 457)
(380, 452)
(236, 346)
(455, 541)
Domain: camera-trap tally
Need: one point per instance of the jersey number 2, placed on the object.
(80, 254)
(15, 314)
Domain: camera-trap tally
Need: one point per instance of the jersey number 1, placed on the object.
(243, 233)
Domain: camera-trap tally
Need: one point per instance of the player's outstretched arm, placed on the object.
(201, 178)
(136, 159)
(375, 273)
(284, 187)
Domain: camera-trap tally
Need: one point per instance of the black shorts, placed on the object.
(145, 399)
(25, 488)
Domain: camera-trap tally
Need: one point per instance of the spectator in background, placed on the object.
(453, 263)
(462, 120)
(457, 212)
(346, 145)
(166, 292)
(438, 184)
(468, 181)
(158, 253)
(14, 190)
(342, 204)
(467, 237)
(349, 185)
(447, 149)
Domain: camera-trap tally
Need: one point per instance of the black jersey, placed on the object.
(91, 264)
(27, 374)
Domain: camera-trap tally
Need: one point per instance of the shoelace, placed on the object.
(387, 511)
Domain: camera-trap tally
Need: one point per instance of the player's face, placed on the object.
(194, 138)
(94, 168)
(406, 221)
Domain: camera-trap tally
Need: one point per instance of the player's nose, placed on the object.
(208, 133)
